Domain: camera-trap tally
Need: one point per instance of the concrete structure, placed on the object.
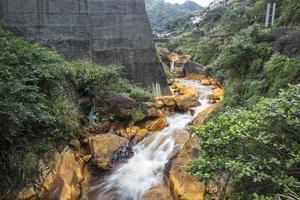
(102, 31)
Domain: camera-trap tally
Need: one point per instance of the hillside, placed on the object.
(250, 143)
(165, 16)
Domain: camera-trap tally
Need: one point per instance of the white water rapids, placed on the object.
(145, 169)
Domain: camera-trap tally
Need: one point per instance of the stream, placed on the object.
(145, 169)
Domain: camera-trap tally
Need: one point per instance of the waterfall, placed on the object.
(156, 90)
(172, 65)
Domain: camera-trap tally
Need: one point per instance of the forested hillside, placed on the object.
(250, 146)
(165, 16)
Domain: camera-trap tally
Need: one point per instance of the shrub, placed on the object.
(282, 70)
(257, 148)
(240, 51)
(289, 13)
(34, 115)
(243, 92)
(137, 114)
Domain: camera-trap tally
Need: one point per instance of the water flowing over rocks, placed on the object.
(140, 160)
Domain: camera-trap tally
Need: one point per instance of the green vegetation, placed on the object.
(281, 70)
(253, 142)
(289, 13)
(166, 16)
(39, 94)
(137, 114)
(257, 148)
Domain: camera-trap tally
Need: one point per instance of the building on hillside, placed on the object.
(217, 3)
(197, 17)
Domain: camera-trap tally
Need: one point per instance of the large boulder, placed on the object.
(189, 97)
(185, 186)
(132, 132)
(205, 113)
(63, 182)
(119, 104)
(156, 125)
(104, 147)
(191, 67)
(158, 192)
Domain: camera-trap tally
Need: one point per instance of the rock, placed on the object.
(178, 85)
(181, 136)
(63, 182)
(97, 128)
(205, 82)
(87, 158)
(219, 94)
(178, 73)
(27, 193)
(191, 67)
(120, 104)
(158, 192)
(188, 98)
(184, 185)
(148, 104)
(205, 113)
(108, 32)
(158, 104)
(132, 132)
(179, 58)
(164, 52)
(156, 125)
(103, 148)
(167, 100)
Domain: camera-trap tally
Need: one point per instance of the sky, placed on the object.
(200, 2)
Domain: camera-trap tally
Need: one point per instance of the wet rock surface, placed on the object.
(104, 147)
(184, 185)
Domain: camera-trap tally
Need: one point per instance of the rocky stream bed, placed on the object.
(138, 160)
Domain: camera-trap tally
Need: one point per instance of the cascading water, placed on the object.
(145, 168)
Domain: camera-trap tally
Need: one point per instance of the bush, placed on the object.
(243, 92)
(246, 47)
(257, 148)
(282, 70)
(34, 114)
(289, 13)
(137, 114)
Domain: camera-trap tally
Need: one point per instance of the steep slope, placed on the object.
(104, 31)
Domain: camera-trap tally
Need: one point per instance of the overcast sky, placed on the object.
(200, 2)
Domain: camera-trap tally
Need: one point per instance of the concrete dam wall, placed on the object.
(102, 31)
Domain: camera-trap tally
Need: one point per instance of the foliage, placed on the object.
(280, 71)
(257, 148)
(89, 77)
(243, 92)
(165, 16)
(167, 72)
(137, 114)
(239, 52)
(289, 13)
(34, 114)
(203, 50)
(37, 114)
